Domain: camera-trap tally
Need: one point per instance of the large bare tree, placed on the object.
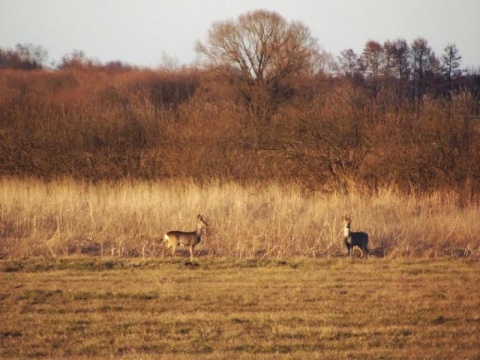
(260, 54)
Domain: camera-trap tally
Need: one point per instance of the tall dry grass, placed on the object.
(264, 220)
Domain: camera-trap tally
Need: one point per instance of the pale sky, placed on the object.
(139, 32)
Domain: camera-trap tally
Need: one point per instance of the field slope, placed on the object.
(222, 308)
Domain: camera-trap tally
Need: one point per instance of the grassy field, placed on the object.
(218, 308)
(264, 220)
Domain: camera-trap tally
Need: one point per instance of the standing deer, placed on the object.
(173, 239)
(352, 239)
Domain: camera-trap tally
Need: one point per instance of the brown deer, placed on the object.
(173, 239)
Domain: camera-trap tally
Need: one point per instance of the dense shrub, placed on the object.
(105, 123)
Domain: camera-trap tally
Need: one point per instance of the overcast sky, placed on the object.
(139, 32)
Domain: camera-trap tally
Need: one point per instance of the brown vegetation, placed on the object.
(98, 161)
(262, 133)
(143, 124)
(332, 308)
(261, 220)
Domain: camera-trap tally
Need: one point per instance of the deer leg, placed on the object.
(365, 249)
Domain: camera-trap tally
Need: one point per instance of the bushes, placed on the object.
(99, 123)
(352, 138)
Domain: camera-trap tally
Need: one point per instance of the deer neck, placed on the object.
(199, 231)
(346, 231)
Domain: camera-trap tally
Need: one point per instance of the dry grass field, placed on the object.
(92, 307)
(83, 273)
(269, 221)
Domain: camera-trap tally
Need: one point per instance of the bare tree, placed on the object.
(76, 59)
(349, 63)
(424, 63)
(451, 64)
(373, 60)
(25, 56)
(260, 53)
(397, 63)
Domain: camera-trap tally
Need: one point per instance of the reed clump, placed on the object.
(262, 220)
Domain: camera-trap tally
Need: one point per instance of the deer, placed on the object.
(173, 239)
(354, 239)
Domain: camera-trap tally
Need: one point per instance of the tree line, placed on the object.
(265, 102)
